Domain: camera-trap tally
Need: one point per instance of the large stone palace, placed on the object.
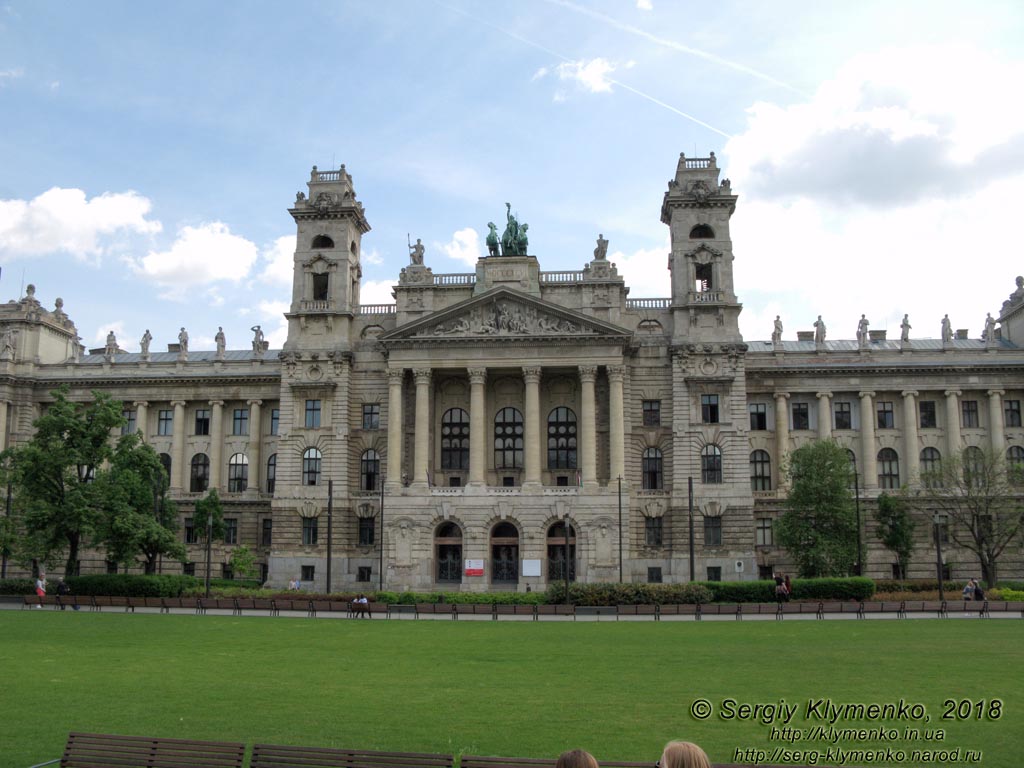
(455, 438)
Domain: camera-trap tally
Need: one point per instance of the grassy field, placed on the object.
(619, 690)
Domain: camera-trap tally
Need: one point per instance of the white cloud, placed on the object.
(7, 75)
(644, 5)
(99, 338)
(464, 246)
(540, 73)
(279, 261)
(373, 257)
(559, 97)
(591, 75)
(645, 271)
(377, 292)
(199, 255)
(273, 312)
(65, 220)
(54, 85)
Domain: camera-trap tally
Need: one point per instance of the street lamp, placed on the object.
(689, 483)
(381, 574)
(209, 547)
(620, 529)
(937, 521)
(857, 569)
(330, 521)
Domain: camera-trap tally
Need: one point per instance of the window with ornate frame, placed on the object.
(508, 439)
(455, 439)
(562, 438)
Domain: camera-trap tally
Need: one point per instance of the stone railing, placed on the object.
(319, 175)
(377, 309)
(464, 278)
(314, 305)
(706, 297)
(697, 163)
(765, 494)
(561, 277)
(648, 303)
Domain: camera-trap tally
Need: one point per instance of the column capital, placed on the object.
(616, 372)
(588, 373)
(140, 403)
(180, 403)
(909, 393)
(531, 374)
(821, 395)
(217, 403)
(254, 402)
(996, 392)
(396, 375)
(422, 375)
(477, 375)
(952, 393)
(867, 393)
(780, 395)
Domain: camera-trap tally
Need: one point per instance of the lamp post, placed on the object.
(330, 529)
(856, 500)
(3, 567)
(689, 484)
(567, 561)
(209, 548)
(620, 529)
(937, 521)
(381, 567)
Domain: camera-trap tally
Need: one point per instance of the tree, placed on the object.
(53, 473)
(819, 527)
(979, 492)
(138, 516)
(209, 513)
(895, 529)
(243, 561)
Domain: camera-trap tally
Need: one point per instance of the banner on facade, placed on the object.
(474, 567)
(531, 567)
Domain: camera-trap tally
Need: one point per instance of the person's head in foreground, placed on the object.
(576, 758)
(683, 754)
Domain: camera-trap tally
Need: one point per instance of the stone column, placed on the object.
(422, 450)
(179, 481)
(3, 424)
(995, 421)
(911, 452)
(531, 428)
(952, 423)
(781, 436)
(824, 415)
(394, 468)
(141, 416)
(254, 444)
(477, 426)
(588, 424)
(617, 425)
(869, 457)
(216, 443)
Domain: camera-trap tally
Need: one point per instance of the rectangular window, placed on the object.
(111, 566)
(652, 413)
(763, 532)
(801, 416)
(309, 531)
(765, 572)
(886, 416)
(226, 571)
(364, 573)
(308, 573)
(844, 416)
(714, 573)
(230, 530)
(654, 575)
(371, 416)
(926, 408)
(712, 531)
(709, 409)
(165, 422)
(275, 420)
(1011, 411)
(202, 421)
(367, 527)
(129, 422)
(189, 569)
(267, 534)
(970, 411)
(190, 531)
(652, 531)
(312, 414)
(943, 524)
(758, 416)
(240, 422)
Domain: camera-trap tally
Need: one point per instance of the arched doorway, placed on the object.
(556, 541)
(504, 554)
(448, 553)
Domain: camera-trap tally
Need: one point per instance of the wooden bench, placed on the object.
(97, 750)
(596, 610)
(401, 609)
(272, 756)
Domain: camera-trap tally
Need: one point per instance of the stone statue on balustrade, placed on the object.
(147, 337)
(221, 342)
(257, 339)
(183, 344)
(777, 330)
(111, 347)
(1016, 297)
(601, 252)
(989, 334)
(416, 252)
(819, 331)
(492, 239)
(947, 330)
(513, 241)
(862, 332)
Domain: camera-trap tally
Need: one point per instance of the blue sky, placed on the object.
(149, 151)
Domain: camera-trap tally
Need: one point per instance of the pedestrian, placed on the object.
(967, 594)
(576, 758)
(780, 588)
(41, 587)
(683, 754)
(979, 594)
(789, 588)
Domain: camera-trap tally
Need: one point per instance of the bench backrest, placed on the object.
(274, 756)
(95, 750)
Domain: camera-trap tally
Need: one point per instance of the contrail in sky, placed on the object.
(566, 59)
(674, 45)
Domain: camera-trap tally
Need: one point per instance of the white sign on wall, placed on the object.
(531, 567)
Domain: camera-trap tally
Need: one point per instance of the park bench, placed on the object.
(272, 756)
(596, 610)
(558, 609)
(401, 609)
(96, 750)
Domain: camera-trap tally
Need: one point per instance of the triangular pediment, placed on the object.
(503, 313)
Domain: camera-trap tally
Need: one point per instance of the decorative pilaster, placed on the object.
(781, 435)
(422, 443)
(394, 468)
(178, 468)
(588, 423)
(531, 377)
(952, 423)
(824, 415)
(255, 456)
(995, 421)
(616, 427)
(477, 426)
(869, 457)
(911, 452)
(3, 424)
(216, 443)
(141, 417)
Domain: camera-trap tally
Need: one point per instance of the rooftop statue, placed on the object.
(416, 252)
(514, 241)
(905, 328)
(601, 252)
(777, 330)
(947, 329)
(492, 239)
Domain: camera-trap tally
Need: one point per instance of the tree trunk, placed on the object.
(71, 566)
(150, 565)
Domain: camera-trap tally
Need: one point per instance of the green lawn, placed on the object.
(619, 690)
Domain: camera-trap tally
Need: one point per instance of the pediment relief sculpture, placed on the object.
(505, 318)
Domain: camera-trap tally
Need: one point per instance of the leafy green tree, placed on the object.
(138, 516)
(205, 508)
(979, 492)
(53, 474)
(819, 526)
(896, 529)
(243, 561)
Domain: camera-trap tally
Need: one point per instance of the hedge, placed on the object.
(477, 598)
(17, 586)
(125, 585)
(630, 594)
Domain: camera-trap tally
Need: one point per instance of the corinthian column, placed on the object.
(255, 456)
(912, 454)
(216, 443)
(588, 424)
(531, 376)
(141, 417)
(477, 427)
(824, 415)
(394, 468)
(616, 417)
(178, 469)
(952, 423)
(781, 435)
(995, 421)
(422, 451)
(869, 457)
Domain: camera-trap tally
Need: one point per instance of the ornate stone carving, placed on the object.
(653, 508)
(309, 508)
(700, 191)
(531, 374)
(819, 331)
(588, 372)
(504, 318)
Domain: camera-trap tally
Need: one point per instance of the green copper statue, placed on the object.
(514, 241)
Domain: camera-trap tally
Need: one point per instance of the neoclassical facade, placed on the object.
(456, 438)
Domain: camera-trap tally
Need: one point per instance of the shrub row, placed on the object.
(125, 585)
(855, 588)
(17, 586)
(916, 585)
(486, 598)
(630, 594)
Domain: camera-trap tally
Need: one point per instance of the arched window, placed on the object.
(271, 472)
(508, 439)
(931, 461)
(200, 477)
(165, 462)
(311, 459)
(505, 554)
(455, 439)
(448, 552)
(322, 241)
(557, 545)
(760, 471)
(652, 477)
(702, 232)
(974, 466)
(888, 469)
(369, 470)
(562, 439)
(238, 473)
(1015, 464)
(711, 464)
